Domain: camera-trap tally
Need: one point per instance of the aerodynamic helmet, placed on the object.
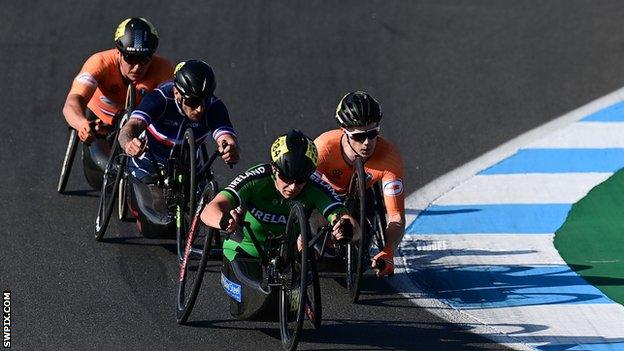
(136, 37)
(194, 79)
(358, 109)
(294, 155)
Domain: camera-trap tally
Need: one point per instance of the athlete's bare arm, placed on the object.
(73, 110)
(213, 214)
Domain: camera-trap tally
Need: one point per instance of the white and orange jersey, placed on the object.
(101, 82)
(386, 165)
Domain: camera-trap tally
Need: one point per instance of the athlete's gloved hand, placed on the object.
(383, 263)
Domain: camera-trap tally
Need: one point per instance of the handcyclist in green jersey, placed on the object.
(262, 196)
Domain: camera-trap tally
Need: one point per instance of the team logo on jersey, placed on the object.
(265, 217)
(336, 173)
(393, 187)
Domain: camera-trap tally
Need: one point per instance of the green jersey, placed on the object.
(267, 210)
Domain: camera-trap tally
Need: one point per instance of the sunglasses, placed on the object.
(363, 135)
(192, 102)
(290, 181)
(137, 60)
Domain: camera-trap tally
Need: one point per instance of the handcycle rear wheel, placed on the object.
(293, 274)
(115, 168)
(356, 253)
(195, 257)
(185, 174)
(68, 160)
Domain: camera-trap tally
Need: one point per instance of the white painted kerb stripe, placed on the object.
(590, 135)
(564, 188)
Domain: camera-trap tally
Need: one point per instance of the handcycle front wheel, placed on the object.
(196, 252)
(115, 168)
(293, 274)
(356, 253)
(68, 160)
(185, 175)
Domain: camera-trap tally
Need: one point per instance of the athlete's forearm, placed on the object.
(132, 129)
(74, 110)
(213, 212)
(394, 232)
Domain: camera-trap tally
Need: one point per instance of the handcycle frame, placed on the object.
(73, 139)
(176, 179)
(280, 257)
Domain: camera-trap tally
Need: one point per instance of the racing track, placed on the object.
(456, 79)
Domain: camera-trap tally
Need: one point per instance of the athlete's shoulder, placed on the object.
(101, 61)
(165, 89)
(316, 182)
(160, 69)
(328, 136)
(255, 173)
(328, 142)
(386, 149)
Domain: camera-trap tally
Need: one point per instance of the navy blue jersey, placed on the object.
(166, 122)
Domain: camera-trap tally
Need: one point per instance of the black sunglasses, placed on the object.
(288, 180)
(192, 102)
(361, 136)
(136, 60)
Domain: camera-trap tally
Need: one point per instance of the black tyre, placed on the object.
(377, 218)
(184, 177)
(113, 173)
(293, 275)
(68, 160)
(313, 307)
(122, 198)
(357, 251)
(196, 252)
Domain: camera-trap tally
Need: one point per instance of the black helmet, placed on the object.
(136, 37)
(358, 109)
(194, 79)
(294, 155)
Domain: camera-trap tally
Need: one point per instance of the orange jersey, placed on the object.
(101, 82)
(385, 165)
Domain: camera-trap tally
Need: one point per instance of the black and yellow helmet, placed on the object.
(358, 109)
(136, 37)
(294, 155)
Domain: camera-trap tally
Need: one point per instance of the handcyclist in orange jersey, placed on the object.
(98, 92)
(358, 115)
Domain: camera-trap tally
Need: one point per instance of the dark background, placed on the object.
(455, 79)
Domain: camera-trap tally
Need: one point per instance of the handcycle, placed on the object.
(284, 274)
(93, 158)
(176, 188)
(367, 206)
